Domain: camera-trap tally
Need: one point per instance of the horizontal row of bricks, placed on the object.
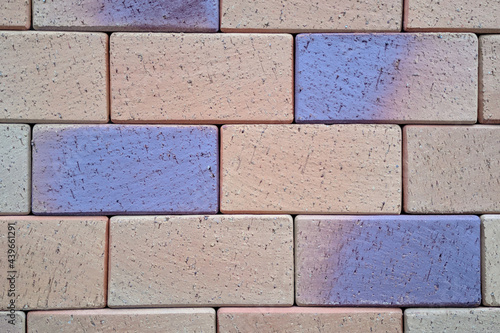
(408, 78)
(251, 260)
(254, 16)
(259, 320)
(115, 169)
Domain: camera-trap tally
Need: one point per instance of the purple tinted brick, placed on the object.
(111, 169)
(386, 78)
(388, 260)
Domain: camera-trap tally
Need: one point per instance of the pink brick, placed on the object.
(305, 319)
(60, 262)
(311, 169)
(53, 77)
(310, 16)
(451, 169)
(12, 322)
(200, 261)
(489, 80)
(125, 320)
(15, 14)
(457, 15)
(201, 78)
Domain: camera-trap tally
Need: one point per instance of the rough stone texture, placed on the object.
(386, 78)
(310, 16)
(477, 320)
(111, 321)
(311, 169)
(135, 15)
(457, 15)
(490, 262)
(15, 14)
(53, 77)
(15, 169)
(388, 260)
(201, 261)
(296, 319)
(12, 322)
(201, 78)
(60, 262)
(489, 80)
(111, 169)
(451, 169)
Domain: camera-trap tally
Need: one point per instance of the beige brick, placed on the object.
(123, 320)
(451, 169)
(457, 15)
(311, 169)
(489, 80)
(15, 14)
(201, 261)
(311, 16)
(53, 77)
(201, 78)
(306, 319)
(60, 262)
(455, 320)
(490, 262)
(15, 169)
(12, 322)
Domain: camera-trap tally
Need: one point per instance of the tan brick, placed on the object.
(457, 15)
(490, 264)
(15, 14)
(306, 319)
(451, 169)
(311, 16)
(60, 262)
(12, 322)
(201, 78)
(201, 260)
(53, 77)
(475, 320)
(489, 80)
(123, 320)
(311, 169)
(15, 169)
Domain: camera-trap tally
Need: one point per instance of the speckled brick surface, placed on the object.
(15, 14)
(489, 81)
(451, 169)
(53, 77)
(60, 262)
(490, 254)
(386, 78)
(402, 261)
(15, 169)
(480, 320)
(109, 169)
(12, 322)
(200, 261)
(201, 78)
(311, 169)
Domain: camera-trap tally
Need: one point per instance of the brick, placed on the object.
(12, 322)
(201, 78)
(201, 261)
(306, 319)
(402, 261)
(60, 262)
(458, 15)
(489, 82)
(136, 15)
(307, 16)
(111, 169)
(452, 320)
(15, 169)
(53, 77)
(490, 264)
(124, 320)
(311, 169)
(451, 169)
(386, 78)
(15, 14)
